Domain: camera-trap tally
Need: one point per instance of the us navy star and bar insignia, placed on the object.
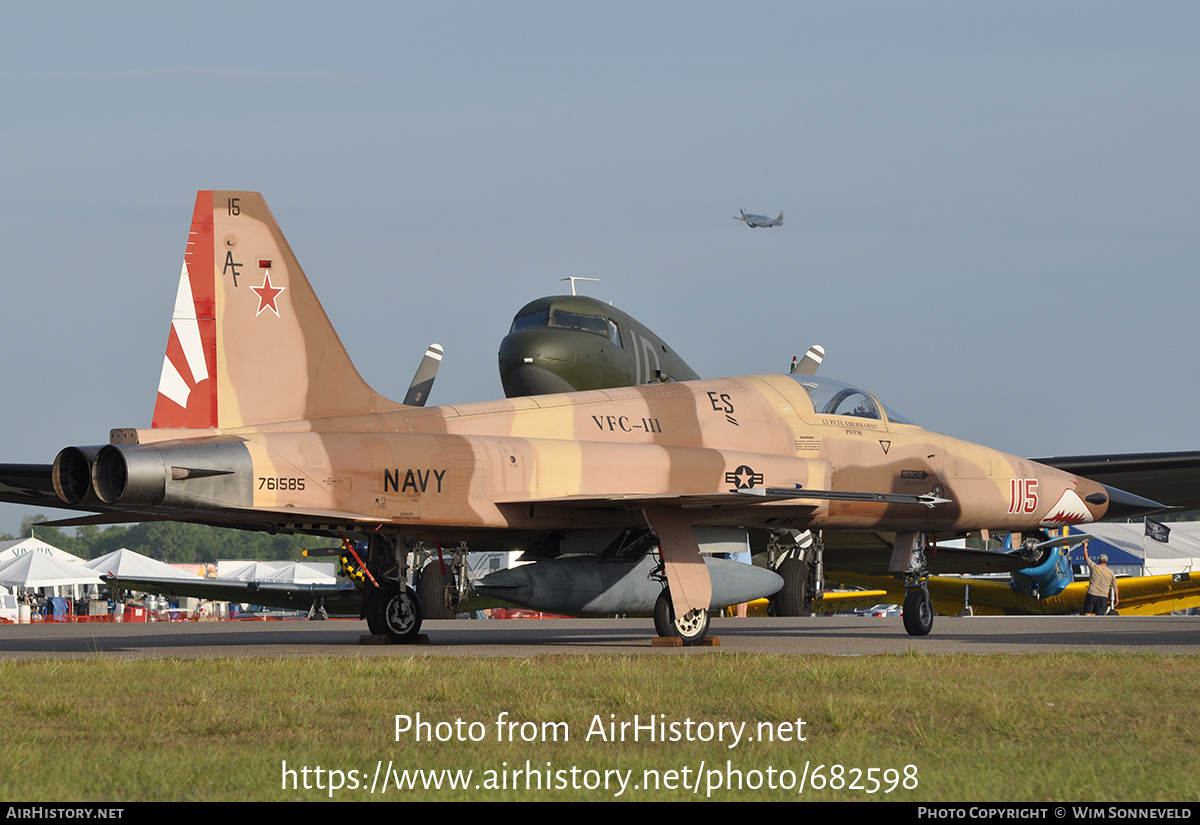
(743, 478)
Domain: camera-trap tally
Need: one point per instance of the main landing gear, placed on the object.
(438, 590)
(797, 556)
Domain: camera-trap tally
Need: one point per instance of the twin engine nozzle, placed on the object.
(203, 473)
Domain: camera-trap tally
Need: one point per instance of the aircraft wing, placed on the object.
(1158, 595)
(28, 484)
(341, 599)
(1170, 478)
(315, 520)
(988, 597)
(868, 554)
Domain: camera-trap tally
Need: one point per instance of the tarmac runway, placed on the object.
(843, 636)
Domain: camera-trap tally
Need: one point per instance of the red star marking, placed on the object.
(267, 295)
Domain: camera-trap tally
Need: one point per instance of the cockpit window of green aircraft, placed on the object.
(588, 323)
(533, 319)
(614, 333)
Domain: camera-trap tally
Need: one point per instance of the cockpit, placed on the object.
(831, 397)
(554, 316)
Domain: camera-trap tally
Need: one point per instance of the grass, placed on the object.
(1061, 727)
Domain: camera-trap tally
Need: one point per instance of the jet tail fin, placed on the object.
(250, 342)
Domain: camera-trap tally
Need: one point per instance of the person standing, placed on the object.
(1101, 583)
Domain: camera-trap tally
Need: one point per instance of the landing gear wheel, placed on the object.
(692, 627)
(394, 610)
(918, 612)
(662, 618)
(792, 598)
(437, 592)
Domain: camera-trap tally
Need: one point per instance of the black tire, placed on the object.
(662, 621)
(918, 613)
(692, 628)
(792, 598)
(394, 610)
(438, 592)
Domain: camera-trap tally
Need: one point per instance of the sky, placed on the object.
(992, 211)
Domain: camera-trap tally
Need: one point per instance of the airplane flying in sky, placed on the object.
(262, 422)
(756, 221)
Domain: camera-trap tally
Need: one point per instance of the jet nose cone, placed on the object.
(1126, 505)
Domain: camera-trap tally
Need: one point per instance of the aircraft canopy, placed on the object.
(830, 397)
(557, 316)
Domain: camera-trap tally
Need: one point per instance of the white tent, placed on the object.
(34, 570)
(10, 550)
(125, 563)
(277, 571)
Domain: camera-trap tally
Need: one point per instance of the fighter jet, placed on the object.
(601, 586)
(262, 422)
(756, 221)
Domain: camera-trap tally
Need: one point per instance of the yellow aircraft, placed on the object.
(1046, 589)
(262, 422)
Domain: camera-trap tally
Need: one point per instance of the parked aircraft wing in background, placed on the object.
(1170, 478)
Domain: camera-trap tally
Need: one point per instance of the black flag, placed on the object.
(1157, 530)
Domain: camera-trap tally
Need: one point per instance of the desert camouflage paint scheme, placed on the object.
(262, 422)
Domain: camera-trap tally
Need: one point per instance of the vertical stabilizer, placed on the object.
(249, 342)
